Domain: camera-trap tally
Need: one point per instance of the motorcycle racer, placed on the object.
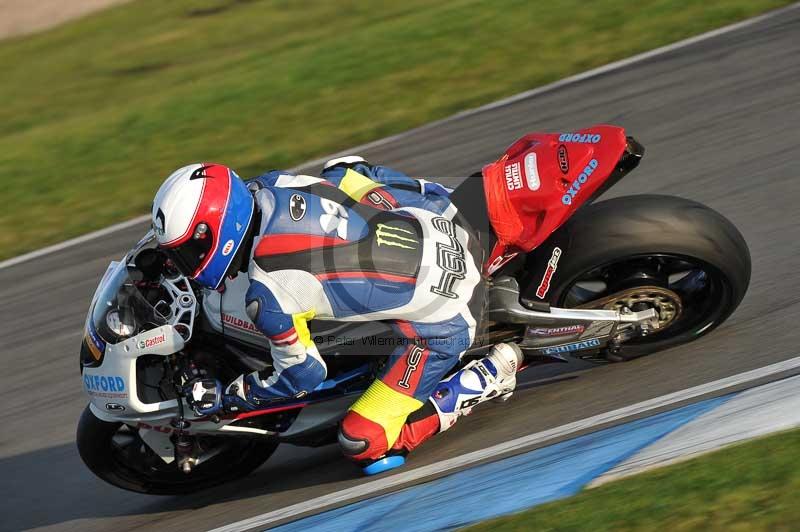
(359, 243)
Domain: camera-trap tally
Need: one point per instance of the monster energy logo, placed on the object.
(393, 236)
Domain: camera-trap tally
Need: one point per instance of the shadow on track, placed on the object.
(32, 497)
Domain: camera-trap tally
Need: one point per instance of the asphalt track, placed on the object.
(720, 122)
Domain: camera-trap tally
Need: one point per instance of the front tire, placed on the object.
(625, 245)
(115, 453)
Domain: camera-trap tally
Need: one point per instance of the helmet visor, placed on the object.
(189, 256)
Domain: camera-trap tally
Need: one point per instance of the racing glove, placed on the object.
(245, 394)
(204, 396)
(236, 397)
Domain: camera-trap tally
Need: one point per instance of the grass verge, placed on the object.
(748, 487)
(97, 112)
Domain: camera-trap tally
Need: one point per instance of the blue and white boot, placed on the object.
(492, 377)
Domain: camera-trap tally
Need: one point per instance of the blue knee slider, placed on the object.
(384, 464)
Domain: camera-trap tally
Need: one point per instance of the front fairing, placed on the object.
(132, 315)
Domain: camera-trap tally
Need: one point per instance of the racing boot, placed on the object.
(492, 377)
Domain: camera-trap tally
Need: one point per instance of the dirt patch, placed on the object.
(18, 17)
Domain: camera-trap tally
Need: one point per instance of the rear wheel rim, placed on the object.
(700, 293)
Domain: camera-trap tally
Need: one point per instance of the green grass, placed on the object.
(749, 487)
(97, 112)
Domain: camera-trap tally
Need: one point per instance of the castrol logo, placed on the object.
(152, 342)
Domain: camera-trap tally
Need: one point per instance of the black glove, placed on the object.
(204, 396)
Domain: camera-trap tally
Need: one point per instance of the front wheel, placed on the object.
(116, 453)
(681, 258)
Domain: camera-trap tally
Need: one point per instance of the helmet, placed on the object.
(201, 215)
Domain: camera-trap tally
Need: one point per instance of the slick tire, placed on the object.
(629, 230)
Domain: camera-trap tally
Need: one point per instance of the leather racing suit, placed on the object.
(362, 243)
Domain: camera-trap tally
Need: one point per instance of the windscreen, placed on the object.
(121, 309)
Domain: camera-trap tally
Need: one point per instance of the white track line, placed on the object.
(420, 474)
(494, 105)
(73, 242)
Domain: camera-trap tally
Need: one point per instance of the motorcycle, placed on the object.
(605, 281)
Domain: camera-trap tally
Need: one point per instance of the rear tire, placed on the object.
(103, 457)
(634, 241)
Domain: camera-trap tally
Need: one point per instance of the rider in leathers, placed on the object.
(360, 243)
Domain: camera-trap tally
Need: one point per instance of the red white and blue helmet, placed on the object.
(201, 216)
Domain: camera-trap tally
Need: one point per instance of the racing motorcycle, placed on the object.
(606, 281)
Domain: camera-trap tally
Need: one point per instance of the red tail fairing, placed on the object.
(542, 179)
